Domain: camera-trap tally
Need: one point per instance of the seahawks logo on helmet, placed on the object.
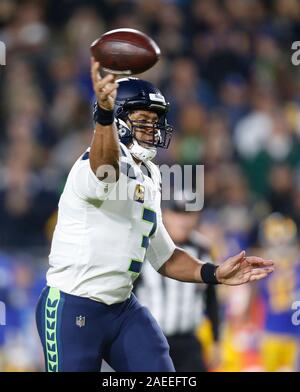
(124, 132)
(122, 127)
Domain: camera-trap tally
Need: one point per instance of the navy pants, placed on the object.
(77, 333)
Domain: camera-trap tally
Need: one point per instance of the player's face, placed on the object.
(143, 124)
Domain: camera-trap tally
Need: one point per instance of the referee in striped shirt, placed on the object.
(180, 307)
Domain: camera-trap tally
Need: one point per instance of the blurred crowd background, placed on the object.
(235, 102)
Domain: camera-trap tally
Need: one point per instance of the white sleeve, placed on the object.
(161, 247)
(86, 184)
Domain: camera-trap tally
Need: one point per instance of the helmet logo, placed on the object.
(122, 131)
(157, 98)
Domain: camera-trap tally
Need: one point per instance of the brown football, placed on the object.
(125, 51)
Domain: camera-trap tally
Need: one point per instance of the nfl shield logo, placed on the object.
(80, 321)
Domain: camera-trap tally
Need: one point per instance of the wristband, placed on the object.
(208, 273)
(103, 116)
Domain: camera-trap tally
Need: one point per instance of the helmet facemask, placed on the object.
(136, 94)
(156, 134)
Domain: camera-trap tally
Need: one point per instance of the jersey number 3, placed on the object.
(148, 216)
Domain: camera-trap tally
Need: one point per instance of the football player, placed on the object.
(87, 311)
(280, 343)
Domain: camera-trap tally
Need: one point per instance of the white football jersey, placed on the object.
(105, 231)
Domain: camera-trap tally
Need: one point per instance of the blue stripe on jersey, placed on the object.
(150, 216)
(122, 151)
(145, 170)
(145, 242)
(135, 266)
(128, 170)
(153, 228)
(85, 156)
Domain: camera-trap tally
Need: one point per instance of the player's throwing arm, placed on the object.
(105, 145)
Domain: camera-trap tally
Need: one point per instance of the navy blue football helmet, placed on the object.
(134, 94)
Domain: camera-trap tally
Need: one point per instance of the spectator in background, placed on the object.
(190, 142)
(185, 86)
(26, 199)
(233, 96)
(236, 214)
(280, 197)
(263, 139)
(20, 283)
(280, 343)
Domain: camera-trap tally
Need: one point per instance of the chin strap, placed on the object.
(141, 153)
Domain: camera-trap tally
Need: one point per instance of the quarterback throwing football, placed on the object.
(87, 312)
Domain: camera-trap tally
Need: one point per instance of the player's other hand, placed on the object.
(241, 269)
(105, 88)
